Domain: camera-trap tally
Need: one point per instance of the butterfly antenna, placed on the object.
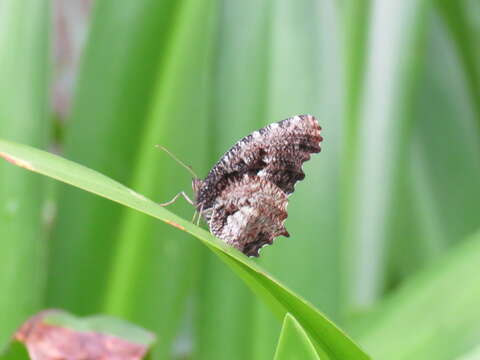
(189, 168)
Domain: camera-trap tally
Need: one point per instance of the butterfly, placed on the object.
(244, 197)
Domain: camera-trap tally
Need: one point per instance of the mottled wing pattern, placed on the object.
(274, 155)
(249, 214)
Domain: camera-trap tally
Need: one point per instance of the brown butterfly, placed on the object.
(244, 197)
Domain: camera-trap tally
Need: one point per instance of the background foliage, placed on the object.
(383, 227)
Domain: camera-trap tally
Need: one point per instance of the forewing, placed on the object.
(275, 153)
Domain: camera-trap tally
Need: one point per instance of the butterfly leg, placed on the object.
(175, 199)
(194, 216)
(199, 215)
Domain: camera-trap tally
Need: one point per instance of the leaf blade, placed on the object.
(281, 299)
(24, 100)
(294, 342)
(442, 304)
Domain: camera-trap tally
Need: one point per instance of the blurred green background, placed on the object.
(383, 226)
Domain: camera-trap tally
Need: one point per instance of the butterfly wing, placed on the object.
(275, 153)
(248, 214)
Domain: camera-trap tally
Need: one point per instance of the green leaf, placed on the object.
(112, 98)
(241, 71)
(472, 355)
(15, 351)
(378, 126)
(440, 205)
(457, 15)
(435, 315)
(24, 100)
(294, 343)
(280, 299)
(136, 268)
(308, 261)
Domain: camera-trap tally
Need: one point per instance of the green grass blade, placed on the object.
(443, 203)
(280, 300)
(241, 71)
(395, 34)
(471, 355)
(219, 293)
(24, 101)
(136, 268)
(356, 14)
(111, 101)
(434, 315)
(294, 343)
(311, 83)
(158, 130)
(457, 15)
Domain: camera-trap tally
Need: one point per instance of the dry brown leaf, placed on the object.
(48, 342)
